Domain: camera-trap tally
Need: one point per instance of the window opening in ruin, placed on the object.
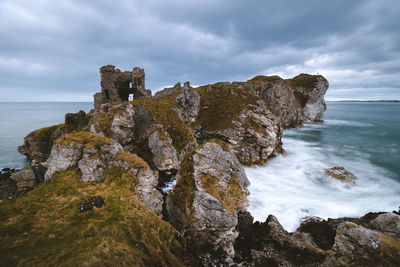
(130, 98)
(107, 94)
(130, 85)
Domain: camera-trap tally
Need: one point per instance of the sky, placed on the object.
(51, 50)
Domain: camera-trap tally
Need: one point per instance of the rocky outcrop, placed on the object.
(205, 201)
(189, 101)
(168, 91)
(268, 244)
(310, 91)
(278, 95)
(232, 113)
(332, 242)
(357, 245)
(293, 101)
(134, 127)
(38, 144)
(94, 155)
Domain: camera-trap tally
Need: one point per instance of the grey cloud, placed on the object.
(53, 49)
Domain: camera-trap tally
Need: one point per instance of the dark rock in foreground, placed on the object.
(90, 203)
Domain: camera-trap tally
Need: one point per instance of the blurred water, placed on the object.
(362, 137)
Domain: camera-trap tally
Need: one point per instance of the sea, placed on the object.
(20, 118)
(363, 137)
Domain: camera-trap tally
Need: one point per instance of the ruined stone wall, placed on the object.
(117, 86)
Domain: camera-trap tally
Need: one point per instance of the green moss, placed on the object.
(182, 195)
(162, 110)
(133, 160)
(231, 196)
(304, 80)
(87, 139)
(390, 242)
(46, 132)
(221, 103)
(261, 78)
(44, 228)
(221, 143)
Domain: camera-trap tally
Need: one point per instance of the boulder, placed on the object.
(341, 174)
(204, 203)
(62, 157)
(90, 203)
(24, 178)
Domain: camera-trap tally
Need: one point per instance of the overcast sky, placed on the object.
(52, 50)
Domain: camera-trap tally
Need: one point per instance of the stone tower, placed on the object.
(117, 86)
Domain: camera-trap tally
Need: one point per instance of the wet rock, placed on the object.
(203, 204)
(341, 174)
(90, 203)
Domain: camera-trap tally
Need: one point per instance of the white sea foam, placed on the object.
(293, 186)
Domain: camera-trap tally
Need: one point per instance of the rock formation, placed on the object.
(204, 203)
(132, 145)
(93, 155)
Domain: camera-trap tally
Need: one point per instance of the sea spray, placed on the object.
(293, 185)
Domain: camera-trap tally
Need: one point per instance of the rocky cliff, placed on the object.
(162, 181)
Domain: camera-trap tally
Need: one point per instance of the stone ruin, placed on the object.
(118, 86)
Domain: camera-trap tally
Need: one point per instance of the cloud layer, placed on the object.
(52, 50)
